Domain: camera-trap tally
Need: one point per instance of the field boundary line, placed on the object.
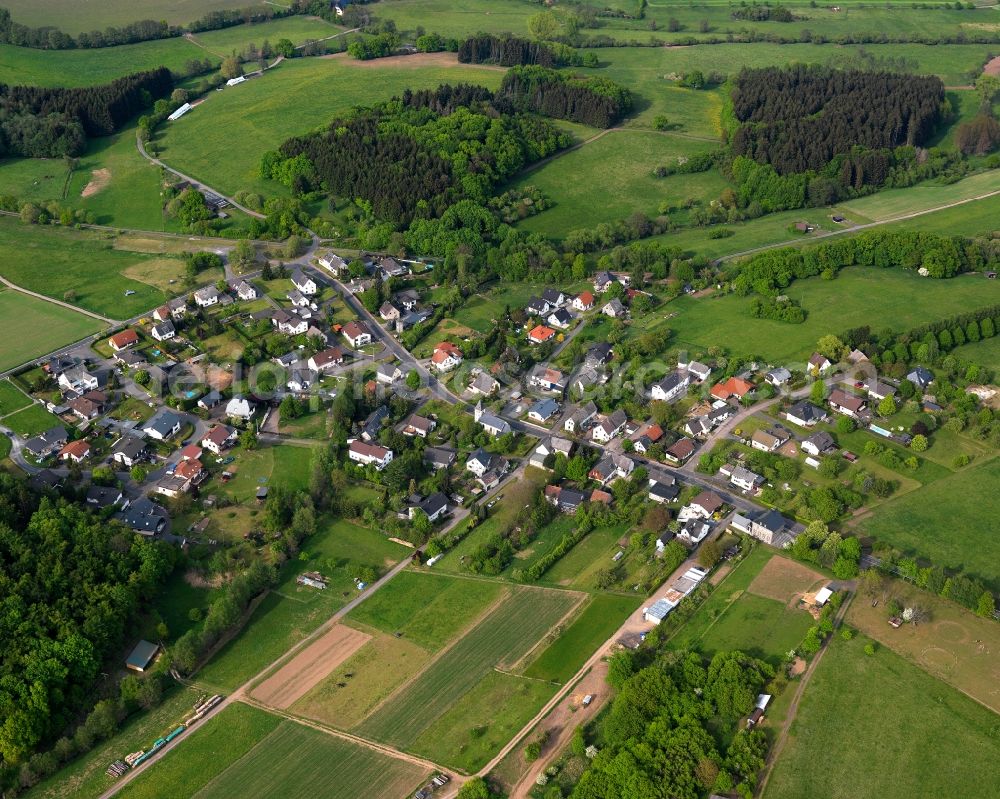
(250, 751)
(508, 673)
(60, 303)
(584, 597)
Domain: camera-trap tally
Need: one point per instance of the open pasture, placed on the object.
(497, 642)
(294, 98)
(297, 29)
(954, 645)
(951, 522)
(612, 177)
(51, 327)
(877, 726)
(85, 17)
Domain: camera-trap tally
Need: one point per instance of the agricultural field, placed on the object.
(986, 353)
(499, 641)
(854, 297)
(291, 99)
(297, 29)
(618, 169)
(908, 733)
(75, 18)
(954, 645)
(52, 326)
(961, 504)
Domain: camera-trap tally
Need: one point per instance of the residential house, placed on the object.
(446, 356)
(419, 426)
(536, 306)
(301, 380)
(162, 425)
(586, 378)
(778, 377)
(129, 451)
(162, 313)
(614, 309)
(742, 478)
(105, 496)
(610, 468)
(819, 364)
(768, 526)
(326, 360)
(671, 387)
(130, 358)
(359, 285)
(818, 443)
(877, 390)
(483, 385)
(550, 446)
(123, 340)
(857, 356)
(407, 299)
(144, 517)
(539, 334)
(210, 400)
(609, 427)
(493, 425)
(584, 301)
(693, 531)
(733, 387)
(805, 414)
(566, 499)
(598, 355)
(389, 312)
(920, 377)
(696, 370)
(357, 334)
(604, 280)
(291, 324)
(388, 373)
(545, 378)
(178, 307)
(241, 408)
(699, 427)
(79, 379)
(413, 318)
(560, 318)
(75, 451)
(769, 440)
(481, 461)
(332, 261)
(304, 283)
(439, 457)
(207, 296)
(219, 439)
(390, 267)
(47, 443)
(554, 297)
(246, 291)
(435, 506)
(662, 491)
(543, 410)
(298, 299)
(649, 436)
(679, 451)
(369, 454)
(315, 333)
(705, 505)
(581, 416)
(846, 404)
(85, 408)
(372, 426)
(163, 331)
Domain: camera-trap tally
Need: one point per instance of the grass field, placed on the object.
(954, 645)
(78, 18)
(950, 522)
(854, 298)
(617, 168)
(578, 568)
(986, 353)
(281, 465)
(221, 742)
(31, 421)
(51, 327)
(569, 650)
(498, 641)
(292, 99)
(297, 29)
(879, 727)
(11, 397)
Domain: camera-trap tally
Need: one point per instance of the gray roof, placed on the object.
(806, 411)
(439, 456)
(163, 422)
(434, 503)
(545, 408)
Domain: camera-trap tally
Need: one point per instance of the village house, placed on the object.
(678, 452)
(819, 364)
(614, 309)
(79, 379)
(580, 417)
(878, 390)
(446, 356)
(298, 299)
(241, 408)
(130, 358)
(584, 301)
(742, 478)
(369, 454)
(435, 506)
(162, 425)
(670, 387)
(818, 443)
(550, 446)
(163, 331)
(696, 370)
(598, 355)
(105, 496)
(546, 378)
(390, 268)
(439, 457)
(650, 435)
(539, 334)
(47, 443)
(604, 280)
(408, 299)
(87, 408)
(129, 451)
(493, 425)
(123, 340)
(332, 261)
(388, 373)
(207, 296)
(560, 318)
(388, 312)
(769, 440)
(768, 526)
(162, 313)
(483, 385)
(304, 283)
(702, 506)
(300, 380)
(536, 306)
(733, 387)
(920, 377)
(805, 414)
(210, 400)
(75, 451)
(291, 324)
(543, 410)
(246, 291)
(610, 468)
(609, 427)
(419, 426)
(357, 334)
(778, 377)
(845, 404)
(481, 461)
(372, 425)
(554, 297)
(693, 532)
(219, 439)
(326, 360)
(663, 489)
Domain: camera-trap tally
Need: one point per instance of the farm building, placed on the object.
(142, 656)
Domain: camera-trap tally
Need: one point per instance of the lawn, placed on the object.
(83, 266)
(985, 353)
(212, 748)
(84, 777)
(578, 568)
(31, 421)
(950, 522)
(479, 724)
(51, 327)
(292, 99)
(498, 641)
(429, 609)
(11, 397)
(617, 170)
(279, 465)
(569, 650)
(855, 297)
(878, 727)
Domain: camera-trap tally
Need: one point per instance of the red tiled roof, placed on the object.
(78, 449)
(541, 333)
(124, 339)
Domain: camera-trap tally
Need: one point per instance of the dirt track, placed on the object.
(308, 668)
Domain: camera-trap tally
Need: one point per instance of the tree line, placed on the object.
(798, 118)
(513, 51)
(598, 102)
(42, 122)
